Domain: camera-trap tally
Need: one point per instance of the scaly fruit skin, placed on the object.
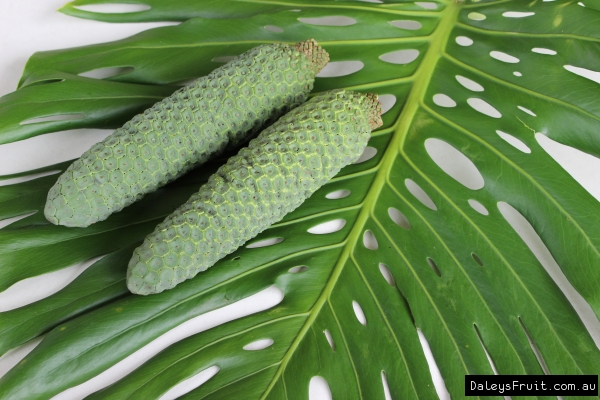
(221, 110)
(279, 169)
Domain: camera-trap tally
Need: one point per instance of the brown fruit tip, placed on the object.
(373, 108)
(316, 55)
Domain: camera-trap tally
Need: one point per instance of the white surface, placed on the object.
(34, 25)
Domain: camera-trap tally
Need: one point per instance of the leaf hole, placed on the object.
(475, 16)
(420, 194)
(484, 107)
(338, 194)
(541, 50)
(526, 110)
(265, 243)
(329, 339)
(434, 266)
(536, 245)
(584, 72)
(469, 84)
(24, 155)
(18, 354)
(406, 24)
(477, 206)
(368, 153)
(386, 388)
(273, 28)
(190, 384)
(575, 162)
(329, 21)
(428, 5)
(370, 241)
(438, 380)
(358, 311)
(259, 344)
(443, 100)
(103, 73)
(6, 222)
(517, 14)
(454, 163)
(387, 102)
(328, 227)
(492, 364)
(113, 8)
(21, 179)
(513, 141)
(318, 389)
(400, 56)
(398, 218)
(464, 41)
(387, 274)
(517, 73)
(477, 259)
(535, 349)
(235, 258)
(507, 58)
(298, 269)
(223, 59)
(43, 82)
(39, 287)
(340, 68)
(54, 118)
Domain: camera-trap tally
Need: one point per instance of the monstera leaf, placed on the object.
(418, 234)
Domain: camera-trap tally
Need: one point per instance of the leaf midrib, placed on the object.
(422, 79)
(221, 339)
(194, 296)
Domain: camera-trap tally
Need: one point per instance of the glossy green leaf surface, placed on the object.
(182, 10)
(461, 274)
(37, 107)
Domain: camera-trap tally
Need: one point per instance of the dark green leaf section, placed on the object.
(127, 227)
(558, 207)
(102, 282)
(44, 247)
(486, 286)
(198, 44)
(93, 342)
(564, 18)
(182, 10)
(558, 110)
(395, 350)
(90, 103)
(188, 357)
(8, 193)
(22, 198)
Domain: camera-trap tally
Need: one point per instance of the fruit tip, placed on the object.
(317, 56)
(374, 110)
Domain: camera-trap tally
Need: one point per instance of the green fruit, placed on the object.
(219, 111)
(279, 169)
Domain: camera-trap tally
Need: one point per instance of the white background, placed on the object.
(33, 25)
